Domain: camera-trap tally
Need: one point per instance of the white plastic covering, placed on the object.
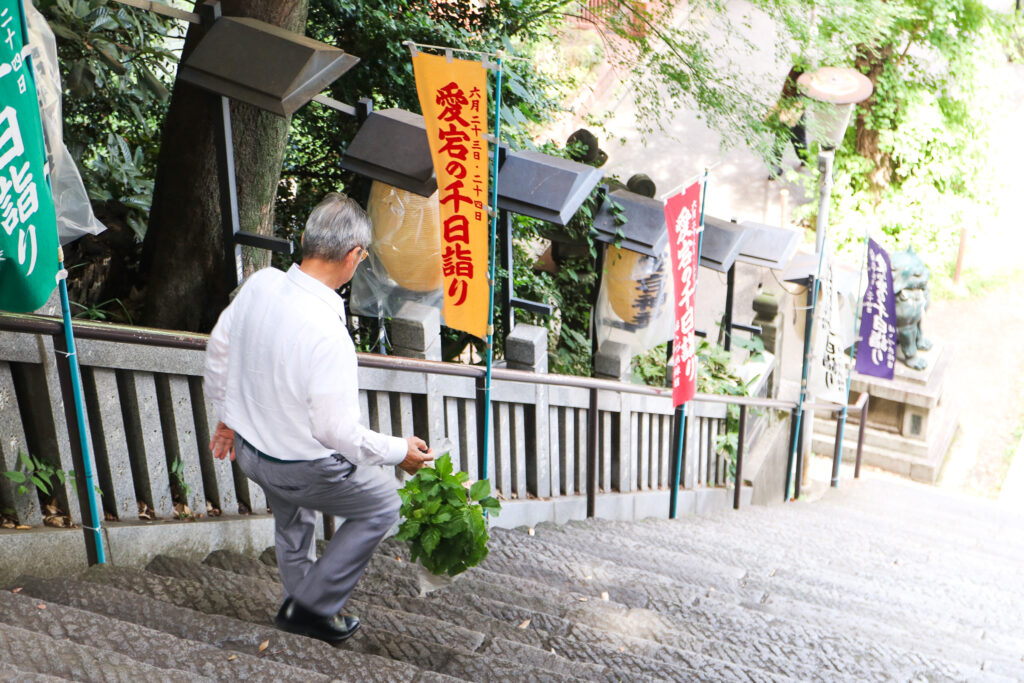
(74, 212)
(634, 304)
(405, 257)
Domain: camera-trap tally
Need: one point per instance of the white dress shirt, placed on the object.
(281, 372)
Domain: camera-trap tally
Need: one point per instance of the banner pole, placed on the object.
(490, 277)
(680, 412)
(83, 437)
(838, 460)
(797, 438)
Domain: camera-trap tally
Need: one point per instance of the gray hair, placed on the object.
(335, 227)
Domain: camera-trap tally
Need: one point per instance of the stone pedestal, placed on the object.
(910, 427)
(416, 332)
(526, 348)
(613, 361)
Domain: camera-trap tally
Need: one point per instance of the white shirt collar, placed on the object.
(317, 289)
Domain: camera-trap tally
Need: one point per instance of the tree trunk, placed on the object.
(183, 251)
(872, 62)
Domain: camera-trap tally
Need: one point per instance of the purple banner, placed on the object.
(876, 351)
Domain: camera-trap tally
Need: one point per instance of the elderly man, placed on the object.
(281, 373)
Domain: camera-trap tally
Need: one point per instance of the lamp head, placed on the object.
(833, 91)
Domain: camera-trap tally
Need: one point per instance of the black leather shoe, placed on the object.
(295, 618)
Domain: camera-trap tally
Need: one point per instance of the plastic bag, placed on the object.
(405, 257)
(74, 211)
(634, 304)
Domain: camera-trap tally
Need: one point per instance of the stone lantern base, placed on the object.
(910, 427)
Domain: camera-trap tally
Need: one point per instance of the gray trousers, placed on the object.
(365, 496)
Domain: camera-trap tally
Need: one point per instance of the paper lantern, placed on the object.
(637, 285)
(406, 236)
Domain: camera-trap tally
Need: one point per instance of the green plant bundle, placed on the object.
(443, 522)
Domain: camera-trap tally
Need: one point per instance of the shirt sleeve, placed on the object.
(334, 409)
(216, 375)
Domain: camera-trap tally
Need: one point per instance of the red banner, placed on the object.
(682, 215)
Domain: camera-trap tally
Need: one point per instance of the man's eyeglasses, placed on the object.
(363, 254)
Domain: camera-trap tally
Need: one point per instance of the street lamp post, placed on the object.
(831, 94)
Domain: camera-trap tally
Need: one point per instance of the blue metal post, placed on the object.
(490, 277)
(838, 461)
(76, 386)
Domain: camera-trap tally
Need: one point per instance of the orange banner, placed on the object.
(453, 96)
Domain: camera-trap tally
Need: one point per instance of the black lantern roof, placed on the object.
(391, 146)
(262, 64)
(644, 230)
(543, 186)
(721, 244)
(767, 246)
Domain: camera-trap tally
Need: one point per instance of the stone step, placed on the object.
(161, 650)
(757, 555)
(12, 674)
(255, 609)
(269, 593)
(893, 602)
(224, 632)
(902, 622)
(600, 655)
(741, 626)
(35, 653)
(865, 556)
(443, 610)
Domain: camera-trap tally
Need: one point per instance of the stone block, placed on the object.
(12, 443)
(570, 508)
(415, 327)
(613, 361)
(526, 348)
(524, 513)
(615, 506)
(433, 352)
(110, 442)
(41, 552)
(134, 544)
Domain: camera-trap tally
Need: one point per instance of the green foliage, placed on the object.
(715, 375)
(116, 67)
(32, 472)
(444, 523)
(177, 471)
(651, 368)
(99, 311)
(914, 167)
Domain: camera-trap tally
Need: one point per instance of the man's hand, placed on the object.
(222, 445)
(418, 456)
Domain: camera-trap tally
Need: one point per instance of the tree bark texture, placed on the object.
(183, 251)
(872, 62)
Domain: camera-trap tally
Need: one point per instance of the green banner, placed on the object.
(28, 222)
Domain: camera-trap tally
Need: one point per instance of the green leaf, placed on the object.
(480, 490)
(15, 476)
(40, 484)
(491, 505)
(26, 461)
(441, 517)
(430, 540)
(443, 465)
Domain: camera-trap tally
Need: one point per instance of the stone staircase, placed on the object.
(880, 580)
